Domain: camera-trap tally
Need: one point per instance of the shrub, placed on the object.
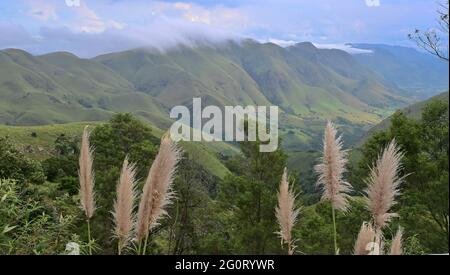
(15, 165)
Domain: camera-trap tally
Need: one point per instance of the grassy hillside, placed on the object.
(60, 87)
(309, 85)
(419, 74)
(412, 111)
(37, 142)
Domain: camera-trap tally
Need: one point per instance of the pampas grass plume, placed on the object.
(123, 206)
(286, 213)
(396, 246)
(86, 176)
(157, 191)
(366, 235)
(331, 169)
(383, 185)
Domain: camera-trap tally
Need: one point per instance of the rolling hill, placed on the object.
(309, 85)
(37, 142)
(61, 87)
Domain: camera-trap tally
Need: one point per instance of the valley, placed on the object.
(308, 84)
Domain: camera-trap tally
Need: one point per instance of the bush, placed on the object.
(35, 219)
(15, 165)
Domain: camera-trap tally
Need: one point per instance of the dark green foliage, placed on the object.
(424, 201)
(123, 136)
(186, 229)
(250, 200)
(234, 215)
(35, 219)
(58, 167)
(316, 228)
(15, 165)
(62, 166)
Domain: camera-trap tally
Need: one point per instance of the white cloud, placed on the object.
(218, 16)
(73, 3)
(280, 42)
(373, 3)
(89, 22)
(163, 22)
(162, 35)
(345, 47)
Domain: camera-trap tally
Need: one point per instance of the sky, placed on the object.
(92, 27)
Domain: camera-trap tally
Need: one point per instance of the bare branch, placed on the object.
(432, 39)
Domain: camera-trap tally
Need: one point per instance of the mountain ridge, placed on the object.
(310, 85)
(413, 111)
(419, 73)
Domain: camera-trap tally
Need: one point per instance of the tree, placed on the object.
(432, 39)
(187, 229)
(62, 166)
(250, 198)
(316, 228)
(123, 135)
(435, 191)
(423, 204)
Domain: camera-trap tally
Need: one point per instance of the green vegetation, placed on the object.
(232, 214)
(15, 165)
(37, 142)
(36, 219)
(226, 193)
(413, 111)
(424, 201)
(308, 84)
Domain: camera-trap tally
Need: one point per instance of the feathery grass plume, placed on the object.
(157, 190)
(330, 171)
(286, 213)
(366, 236)
(383, 185)
(123, 206)
(86, 178)
(396, 246)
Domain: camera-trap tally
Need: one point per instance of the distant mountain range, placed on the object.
(307, 83)
(420, 74)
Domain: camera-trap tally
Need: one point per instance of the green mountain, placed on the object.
(61, 87)
(421, 74)
(413, 111)
(310, 85)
